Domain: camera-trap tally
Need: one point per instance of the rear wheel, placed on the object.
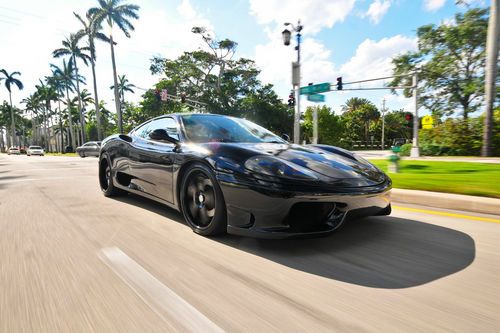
(106, 180)
(202, 202)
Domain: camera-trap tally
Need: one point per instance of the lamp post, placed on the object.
(287, 34)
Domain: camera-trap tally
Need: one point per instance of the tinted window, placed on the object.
(35, 147)
(139, 131)
(207, 128)
(168, 124)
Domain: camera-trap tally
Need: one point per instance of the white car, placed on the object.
(14, 151)
(35, 150)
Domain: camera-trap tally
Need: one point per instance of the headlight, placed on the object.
(272, 166)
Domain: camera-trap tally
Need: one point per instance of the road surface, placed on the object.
(75, 261)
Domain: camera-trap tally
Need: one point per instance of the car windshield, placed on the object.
(213, 128)
(35, 147)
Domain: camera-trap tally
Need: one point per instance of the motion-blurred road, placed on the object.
(72, 260)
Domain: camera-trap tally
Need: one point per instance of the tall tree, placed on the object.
(115, 13)
(450, 63)
(10, 80)
(74, 51)
(66, 75)
(123, 86)
(46, 93)
(91, 29)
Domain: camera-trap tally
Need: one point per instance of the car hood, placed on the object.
(334, 165)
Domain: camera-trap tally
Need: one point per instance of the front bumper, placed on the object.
(273, 211)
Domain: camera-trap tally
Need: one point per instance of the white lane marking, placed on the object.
(161, 299)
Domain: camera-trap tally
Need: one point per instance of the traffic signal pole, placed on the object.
(296, 121)
(415, 151)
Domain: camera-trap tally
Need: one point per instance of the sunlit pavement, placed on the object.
(75, 261)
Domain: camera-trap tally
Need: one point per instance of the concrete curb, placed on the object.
(447, 201)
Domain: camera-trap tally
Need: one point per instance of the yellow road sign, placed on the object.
(427, 122)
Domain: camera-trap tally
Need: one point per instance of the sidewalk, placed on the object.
(447, 201)
(382, 154)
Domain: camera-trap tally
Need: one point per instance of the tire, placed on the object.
(202, 202)
(106, 180)
(82, 155)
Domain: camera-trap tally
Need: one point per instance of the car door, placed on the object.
(151, 161)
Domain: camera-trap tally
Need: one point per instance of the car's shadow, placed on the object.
(378, 252)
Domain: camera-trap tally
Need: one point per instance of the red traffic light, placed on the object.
(408, 116)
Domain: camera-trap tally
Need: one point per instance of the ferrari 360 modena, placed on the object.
(227, 174)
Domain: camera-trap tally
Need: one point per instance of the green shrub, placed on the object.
(405, 149)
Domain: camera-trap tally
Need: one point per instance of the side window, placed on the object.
(140, 131)
(168, 124)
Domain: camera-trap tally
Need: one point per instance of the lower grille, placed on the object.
(312, 216)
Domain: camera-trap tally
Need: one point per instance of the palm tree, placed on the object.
(71, 48)
(47, 93)
(9, 81)
(66, 76)
(123, 86)
(92, 30)
(115, 13)
(354, 103)
(59, 86)
(32, 103)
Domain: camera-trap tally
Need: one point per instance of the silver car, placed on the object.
(90, 148)
(14, 151)
(35, 150)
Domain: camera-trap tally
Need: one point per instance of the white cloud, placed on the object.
(314, 14)
(164, 31)
(433, 5)
(275, 60)
(377, 10)
(373, 58)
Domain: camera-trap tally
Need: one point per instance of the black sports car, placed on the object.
(228, 174)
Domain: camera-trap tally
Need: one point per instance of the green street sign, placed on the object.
(316, 98)
(315, 89)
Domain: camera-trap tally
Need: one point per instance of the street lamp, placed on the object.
(287, 34)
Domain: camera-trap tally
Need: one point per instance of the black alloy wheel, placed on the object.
(202, 202)
(106, 180)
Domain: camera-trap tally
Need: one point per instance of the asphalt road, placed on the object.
(75, 261)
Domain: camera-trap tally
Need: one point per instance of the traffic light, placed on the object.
(183, 97)
(291, 99)
(339, 83)
(409, 119)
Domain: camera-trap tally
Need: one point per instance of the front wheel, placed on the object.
(202, 202)
(106, 179)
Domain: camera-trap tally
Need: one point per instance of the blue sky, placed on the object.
(354, 39)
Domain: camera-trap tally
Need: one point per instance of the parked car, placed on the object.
(227, 174)
(90, 148)
(35, 150)
(13, 151)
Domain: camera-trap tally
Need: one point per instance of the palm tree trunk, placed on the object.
(96, 100)
(60, 126)
(12, 124)
(115, 80)
(70, 122)
(46, 142)
(1, 140)
(82, 121)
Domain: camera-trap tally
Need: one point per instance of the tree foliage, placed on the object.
(450, 64)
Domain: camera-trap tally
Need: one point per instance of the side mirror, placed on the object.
(161, 135)
(285, 137)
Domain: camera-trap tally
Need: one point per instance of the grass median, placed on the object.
(61, 154)
(481, 179)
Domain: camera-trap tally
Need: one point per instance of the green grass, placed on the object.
(60, 154)
(481, 179)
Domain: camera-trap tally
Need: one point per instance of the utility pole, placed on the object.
(491, 73)
(315, 125)
(295, 77)
(415, 151)
(383, 123)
